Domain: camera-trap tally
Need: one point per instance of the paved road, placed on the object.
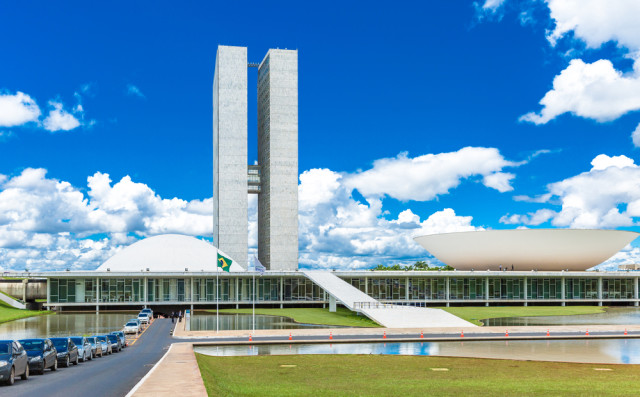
(112, 375)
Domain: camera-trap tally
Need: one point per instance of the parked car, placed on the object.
(13, 361)
(96, 346)
(131, 327)
(144, 318)
(84, 347)
(42, 355)
(123, 338)
(148, 311)
(115, 342)
(106, 344)
(67, 351)
(136, 320)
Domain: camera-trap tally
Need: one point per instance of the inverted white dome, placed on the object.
(167, 253)
(526, 249)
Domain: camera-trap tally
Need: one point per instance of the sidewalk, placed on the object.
(299, 334)
(176, 373)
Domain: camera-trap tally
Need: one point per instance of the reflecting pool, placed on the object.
(207, 322)
(609, 351)
(614, 315)
(64, 324)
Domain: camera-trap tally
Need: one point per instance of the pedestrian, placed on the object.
(500, 267)
(180, 316)
(173, 316)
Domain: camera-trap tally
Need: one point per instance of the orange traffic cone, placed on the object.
(421, 335)
(330, 335)
(506, 334)
(587, 333)
(625, 331)
(547, 332)
(290, 338)
(384, 336)
(250, 338)
(462, 334)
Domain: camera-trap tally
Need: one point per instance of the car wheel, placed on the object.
(77, 360)
(25, 376)
(101, 354)
(67, 362)
(12, 377)
(55, 365)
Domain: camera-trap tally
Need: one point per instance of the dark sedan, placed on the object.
(115, 342)
(120, 335)
(13, 361)
(67, 351)
(42, 355)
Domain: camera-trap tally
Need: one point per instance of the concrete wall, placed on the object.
(278, 159)
(230, 222)
(15, 288)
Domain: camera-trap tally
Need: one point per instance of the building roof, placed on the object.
(167, 253)
(526, 249)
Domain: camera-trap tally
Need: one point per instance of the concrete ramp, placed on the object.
(393, 316)
(339, 289)
(12, 302)
(387, 315)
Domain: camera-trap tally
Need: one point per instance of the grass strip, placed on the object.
(342, 317)
(374, 375)
(8, 313)
(475, 313)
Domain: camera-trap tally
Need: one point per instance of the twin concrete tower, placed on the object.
(275, 178)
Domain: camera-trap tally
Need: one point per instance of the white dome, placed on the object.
(167, 253)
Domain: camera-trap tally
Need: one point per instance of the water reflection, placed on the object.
(64, 324)
(623, 316)
(612, 351)
(207, 322)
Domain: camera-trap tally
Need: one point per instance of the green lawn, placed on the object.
(8, 313)
(473, 314)
(343, 317)
(358, 375)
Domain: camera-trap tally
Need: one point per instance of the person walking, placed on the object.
(173, 316)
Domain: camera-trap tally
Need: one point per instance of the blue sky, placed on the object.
(415, 118)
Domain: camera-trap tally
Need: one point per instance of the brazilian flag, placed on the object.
(224, 263)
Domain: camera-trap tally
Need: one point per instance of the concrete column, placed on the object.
(600, 291)
(191, 294)
(332, 304)
(146, 293)
(524, 290)
(97, 295)
(563, 292)
(25, 283)
(635, 291)
(446, 293)
(406, 295)
(486, 291)
(366, 285)
(48, 305)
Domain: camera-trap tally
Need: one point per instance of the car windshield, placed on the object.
(145, 311)
(60, 344)
(77, 341)
(113, 338)
(101, 338)
(143, 315)
(131, 324)
(32, 345)
(5, 348)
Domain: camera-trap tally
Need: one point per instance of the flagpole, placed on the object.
(254, 299)
(217, 271)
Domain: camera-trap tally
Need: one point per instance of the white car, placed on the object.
(131, 328)
(144, 318)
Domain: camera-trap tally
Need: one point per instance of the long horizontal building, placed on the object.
(174, 270)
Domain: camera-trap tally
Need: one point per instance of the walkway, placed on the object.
(390, 316)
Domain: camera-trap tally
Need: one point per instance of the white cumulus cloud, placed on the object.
(59, 119)
(17, 109)
(425, 177)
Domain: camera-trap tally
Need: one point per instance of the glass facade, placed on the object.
(285, 289)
